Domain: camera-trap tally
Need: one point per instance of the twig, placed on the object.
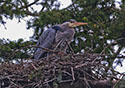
(118, 81)
(89, 75)
(34, 66)
(26, 6)
(53, 51)
(81, 65)
(88, 86)
(62, 81)
(50, 80)
(73, 77)
(67, 73)
(16, 85)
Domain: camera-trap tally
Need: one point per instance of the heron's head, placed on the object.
(72, 23)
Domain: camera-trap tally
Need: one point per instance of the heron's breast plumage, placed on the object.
(64, 37)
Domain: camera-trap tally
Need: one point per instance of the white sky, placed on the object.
(17, 30)
(121, 69)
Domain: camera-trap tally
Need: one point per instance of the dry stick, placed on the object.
(30, 84)
(63, 81)
(73, 77)
(89, 75)
(49, 80)
(46, 49)
(88, 86)
(67, 73)
(93, 61)
(50, 50)
(118, 80)
(34, 66)
(81, 65)
(16, 84)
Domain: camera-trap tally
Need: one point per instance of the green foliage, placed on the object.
(12, 8)
(10, 50)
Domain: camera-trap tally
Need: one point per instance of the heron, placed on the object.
(46, 40)
(63, 39)
(56, 37)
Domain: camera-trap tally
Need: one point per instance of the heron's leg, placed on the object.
(58, 44)
(69, 47)
(38, 54)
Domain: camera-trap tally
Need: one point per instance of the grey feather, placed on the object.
(64, 37)
(46, 40)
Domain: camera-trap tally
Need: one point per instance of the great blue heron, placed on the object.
(46, 40)
(63, 39)
(58, 39)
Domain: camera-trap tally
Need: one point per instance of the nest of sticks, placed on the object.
(56, 71)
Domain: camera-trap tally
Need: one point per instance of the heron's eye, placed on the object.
(72, 21)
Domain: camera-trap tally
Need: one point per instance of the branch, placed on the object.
(26, 6)
(118, 51)
(31, 14)
(73, 77)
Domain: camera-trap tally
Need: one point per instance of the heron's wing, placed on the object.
(46, 40)
(39, 51)
(42, 37)
(50, 38)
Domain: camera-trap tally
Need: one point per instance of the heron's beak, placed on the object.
(75, 24)
(80, 23)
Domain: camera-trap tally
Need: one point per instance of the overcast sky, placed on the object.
(17, 30)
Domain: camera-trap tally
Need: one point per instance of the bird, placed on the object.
(56, 37)
(64, 38)
(46, 40)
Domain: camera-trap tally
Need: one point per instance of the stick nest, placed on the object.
(55, 71)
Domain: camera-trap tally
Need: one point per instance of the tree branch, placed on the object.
(26, 6)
